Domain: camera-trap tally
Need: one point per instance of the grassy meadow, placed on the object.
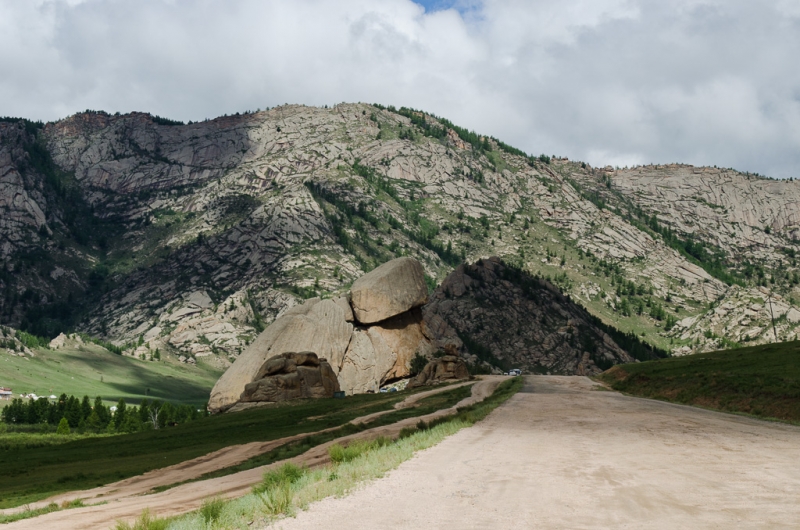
(763, 381)
(34, 473)
(94, 371)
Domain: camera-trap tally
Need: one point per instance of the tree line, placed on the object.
(70, 413)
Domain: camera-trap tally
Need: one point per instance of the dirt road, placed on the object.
(126, 499)
(561, 455)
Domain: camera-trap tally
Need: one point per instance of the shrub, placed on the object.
(418, 363)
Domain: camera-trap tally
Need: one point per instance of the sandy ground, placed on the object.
(561, 455)
(125, 500)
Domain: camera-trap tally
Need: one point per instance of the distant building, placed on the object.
(5, 393)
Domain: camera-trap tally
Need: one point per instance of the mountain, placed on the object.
(191, 237)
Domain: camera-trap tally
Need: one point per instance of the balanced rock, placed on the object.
(291, 376)
(317, 326)
(391, 289)
(386, 332)
(445, 368)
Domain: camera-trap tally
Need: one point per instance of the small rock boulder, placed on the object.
(391, 289)
(445, 368)
(291, 376)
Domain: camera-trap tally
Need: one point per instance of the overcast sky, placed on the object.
(614, 82)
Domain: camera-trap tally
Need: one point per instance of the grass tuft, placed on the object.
(277, 500)
(340, 454)
(286, 475)
(146, 521)
(211, 509)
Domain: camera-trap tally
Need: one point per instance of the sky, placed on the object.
(609, 82)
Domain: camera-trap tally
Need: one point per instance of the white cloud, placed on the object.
(607, 81)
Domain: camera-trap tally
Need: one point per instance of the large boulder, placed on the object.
(291, 376)
(391, 289)
(445, 368)
(317, 326)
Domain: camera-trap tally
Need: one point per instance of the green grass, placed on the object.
(36, 512)
(34, 474)
(27, 440)
(93, 371)
(763, 381)
(422, 407)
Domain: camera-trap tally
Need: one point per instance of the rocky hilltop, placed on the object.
(509, 318)
(191, 238)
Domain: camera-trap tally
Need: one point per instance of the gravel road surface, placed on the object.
(562, 454)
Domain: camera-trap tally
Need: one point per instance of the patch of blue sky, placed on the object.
(462, 6)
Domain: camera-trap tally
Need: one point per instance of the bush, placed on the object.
(418, 363)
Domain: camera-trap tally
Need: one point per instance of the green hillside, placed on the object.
(94, 371)
(761, 380)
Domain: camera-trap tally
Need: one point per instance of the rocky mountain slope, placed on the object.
(190, 238)
(508, 318)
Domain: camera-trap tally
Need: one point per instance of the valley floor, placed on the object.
(127, 499)
(561, 454)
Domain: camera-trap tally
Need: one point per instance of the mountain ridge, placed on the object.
(191, 237)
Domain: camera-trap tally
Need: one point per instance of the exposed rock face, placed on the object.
(11, 345)
(522, 321)
(402, 335)
(291, 376)
(315, 326)
(445, 368)
(363, 370)
(383, 352)
(391, 289)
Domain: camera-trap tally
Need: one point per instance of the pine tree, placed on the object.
(86, 407)
(72, 412)
(120, 414)
(102, 412)
(93, 422)
(63, 427)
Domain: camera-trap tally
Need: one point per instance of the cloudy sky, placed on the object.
(621, 82)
